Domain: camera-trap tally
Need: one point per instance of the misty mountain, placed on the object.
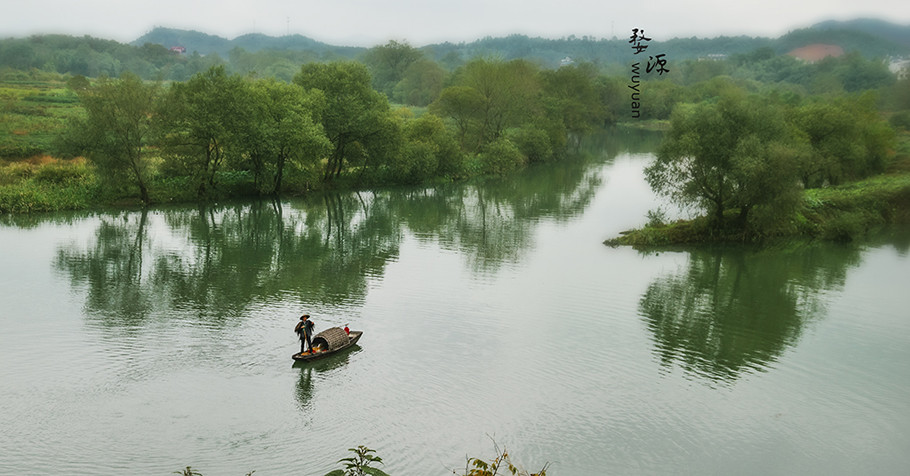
(899, 34)
(872, 38)
(150, 57)
(203, 43)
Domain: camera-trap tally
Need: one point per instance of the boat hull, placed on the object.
(354, 336)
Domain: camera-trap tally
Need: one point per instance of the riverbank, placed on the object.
(840, 213)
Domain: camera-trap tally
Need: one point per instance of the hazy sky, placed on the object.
(420, 22)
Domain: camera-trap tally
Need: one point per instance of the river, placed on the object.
(141, 342)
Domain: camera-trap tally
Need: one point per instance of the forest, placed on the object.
(749, 132)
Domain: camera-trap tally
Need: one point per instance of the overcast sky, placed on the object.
(420, 22)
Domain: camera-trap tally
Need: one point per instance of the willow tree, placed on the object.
(199, 119)
(738, 153)
(488, 97)
(388, 64)
(849, 140)
(356, 119)
(282, 132)
(117, 127)
(571, 96)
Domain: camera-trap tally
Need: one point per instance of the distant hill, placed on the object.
(203, 43)
(899, 34)
(150, 58)
(550, 52)
(872, 38)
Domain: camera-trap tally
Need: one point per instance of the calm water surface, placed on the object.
(143, 342)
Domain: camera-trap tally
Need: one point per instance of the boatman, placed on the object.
(304, 330)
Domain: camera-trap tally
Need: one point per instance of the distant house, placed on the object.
(817, 52)
(900, 67)
(178, 49)
(713, 57)
(567, 61)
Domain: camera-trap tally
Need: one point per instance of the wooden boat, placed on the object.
(329, 342)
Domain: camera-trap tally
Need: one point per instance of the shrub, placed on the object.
(500, 157)
(359, 464)
(416, 162)
(900, 120)
(15, 173)
(59, 173)
(534, 143)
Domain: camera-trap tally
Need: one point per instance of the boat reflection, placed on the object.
(321, 366)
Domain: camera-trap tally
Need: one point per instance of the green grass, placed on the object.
(54, 185)
(841, 213)
(32, 115)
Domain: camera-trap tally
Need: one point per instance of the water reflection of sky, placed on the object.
(544, 328)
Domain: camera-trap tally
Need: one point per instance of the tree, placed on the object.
(357, 119)
(117, 127)
(429, 149)
(388, 64)
(509, 90)
(849, 141)
(736, 153)
(571, 96)
(461, 104)
(860, 74)
(199, 119)
(280, 130)
(490, 97)
(421, 84)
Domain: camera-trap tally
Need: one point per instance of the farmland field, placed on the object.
(33, 111)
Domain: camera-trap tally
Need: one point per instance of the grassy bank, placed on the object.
(840, 213)
(46, 184)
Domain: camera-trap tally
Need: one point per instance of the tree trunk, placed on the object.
(143, 193)
(718, 215)
(279, 175)
(743, 215)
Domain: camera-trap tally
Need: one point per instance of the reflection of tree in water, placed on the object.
(323, 253)
(112, 269)
(215, 261)
(735, 310)
(897, 236)
(492, 222)
(617, 140)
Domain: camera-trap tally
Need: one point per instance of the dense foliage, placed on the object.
(749, 153)
(736, 153)
(116, 131)
(151, 57)
(221, 134)
(747, 132)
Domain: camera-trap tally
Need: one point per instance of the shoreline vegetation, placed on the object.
(842, 212)
(364, 459)
(761, 143)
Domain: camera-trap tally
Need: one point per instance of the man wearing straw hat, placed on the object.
(304, 330)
